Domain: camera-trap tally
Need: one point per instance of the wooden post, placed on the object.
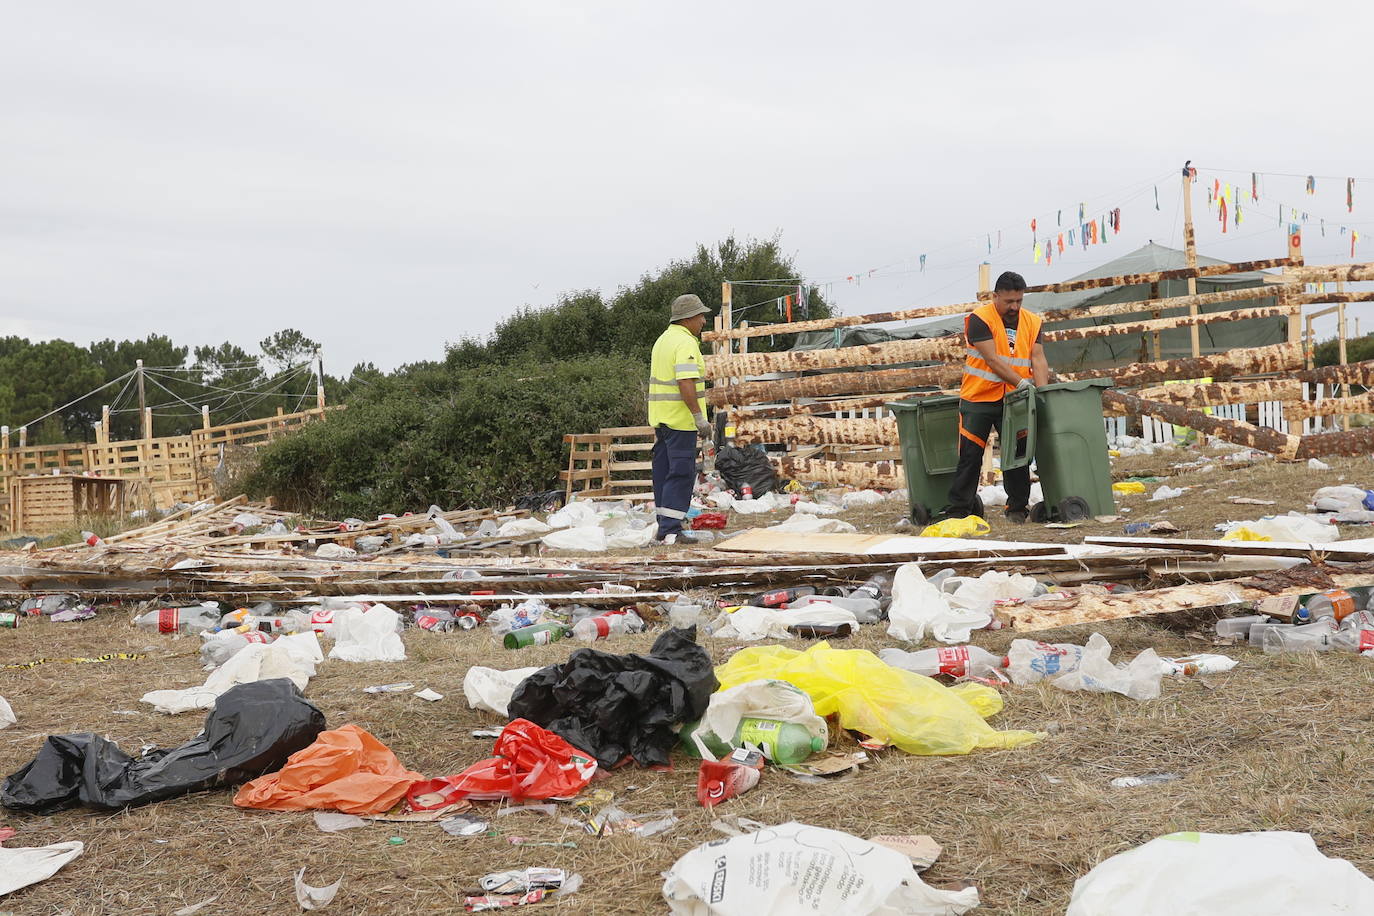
(105, 423)
(205, 416)
(1154, 337)
(142, 399)
(23, 437)
(319, 383)
(1295, 253)
(5, 438)
(744, 341)
(1190, 258)
(984, 277)
(1340, 347)
(147, 423)
(727, 312)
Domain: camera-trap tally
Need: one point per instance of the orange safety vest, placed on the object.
(980, 383)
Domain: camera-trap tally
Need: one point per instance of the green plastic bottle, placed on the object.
(782, 743)
(538, 635)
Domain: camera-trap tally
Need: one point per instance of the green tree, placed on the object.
(48, 375)
(287, 348)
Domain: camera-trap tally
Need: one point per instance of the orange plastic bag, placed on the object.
(531, 762)
(346, 769)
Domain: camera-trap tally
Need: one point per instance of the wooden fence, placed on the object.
(610, 463)
(158, 472)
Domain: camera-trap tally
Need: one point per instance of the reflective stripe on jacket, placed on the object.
(677, 355)
(980, 383)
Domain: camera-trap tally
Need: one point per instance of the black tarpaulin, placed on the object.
(614, 706)
(252, 729)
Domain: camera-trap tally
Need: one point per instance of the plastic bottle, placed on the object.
(1354, 639)
(864, 608)
(192, 619)
(1313, 637)
(781, 596)
(612, 623)
(879, 588)
(219, 647)
(1337, 603)
(955, 661)
(684, 613)
(290, 622)
(781, 742)
(538, 635)
(436, 619)
(821, 630)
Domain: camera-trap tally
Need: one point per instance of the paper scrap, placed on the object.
(314, 898)
(922, 850)
(429, 695)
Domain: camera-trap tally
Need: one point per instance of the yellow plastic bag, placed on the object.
(915, 713)
(969, 527)
(1245, 534)
(1128, 486)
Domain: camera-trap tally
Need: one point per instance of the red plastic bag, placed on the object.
(709, 520)
(530, 763)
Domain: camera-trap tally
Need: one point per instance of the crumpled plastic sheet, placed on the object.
(21, 866)
(367, 636)
(803, 523)
(7, 717)
(918, 608)
(529, 763)
(614, 706)
(751, 623)
(490, 689)
(915, 713)
(252, 730)
(293, 657)
(345, 769)
(761, 699)
(1261, 872)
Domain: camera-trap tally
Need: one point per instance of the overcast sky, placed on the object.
(388, 177)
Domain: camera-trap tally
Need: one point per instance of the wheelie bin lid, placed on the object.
(1078, 385)
(932, 400)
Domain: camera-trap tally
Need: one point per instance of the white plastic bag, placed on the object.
(1029, 660)
(1138, 679)
(518, 527)
(1293, 528)
(583, 537)
(919, 608)
(994, 496)
(367, 636)
(768, 502)
(860, 498)
(1165, 492)
(1192, 874)
(802, 523)
(629, 537)
(332, 551)
(293, 657)
(809, 508)
(761, 699)
(21, 866)
(6, 715)
(247, 520)
(491, 688)
(573, 515)
(796, 868)
(750, 623)
(982, 593)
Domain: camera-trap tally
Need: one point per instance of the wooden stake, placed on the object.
(984, 277)
(1294, 257)
(1190, 253)
(727, 312)
(147, 423)
(23, 437)
(205, 416)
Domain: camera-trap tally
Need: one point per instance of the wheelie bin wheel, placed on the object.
(1074, 509)
(978, 508)
(920, 515)
(1037, 513)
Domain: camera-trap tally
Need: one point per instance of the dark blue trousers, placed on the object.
(675, 471)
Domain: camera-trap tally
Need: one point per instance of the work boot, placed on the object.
(684, 538)
(1018, 516)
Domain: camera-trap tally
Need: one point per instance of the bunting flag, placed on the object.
(1032, 230)
(787, 304)
(923, 263)
(989, 243)
(1350, 195)
(1254, 186)
(1323, 228)
(1060, 243)
(1156, 197)
(999, 239)
(1237, 213)
(1035, 255)
(1216, 187)
(1070, 238)
(1223, 214)
(1354, 237)
(1311, 184)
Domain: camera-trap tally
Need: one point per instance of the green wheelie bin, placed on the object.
(1071, 452)
(928, 429)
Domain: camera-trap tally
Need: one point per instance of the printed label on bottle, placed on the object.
(1342, 603)
(1366, 640)
(603, 627)
(322, 617)
(426, 622)
(167, 619)
(769, 599)
(542, 638)
(761, 734)
(256, 636)
(953, 660)
(9, 621)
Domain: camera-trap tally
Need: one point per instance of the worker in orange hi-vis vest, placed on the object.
(1003, 353)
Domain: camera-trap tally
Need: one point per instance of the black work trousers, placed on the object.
(974, 428)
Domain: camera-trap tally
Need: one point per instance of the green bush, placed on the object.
(449, 436)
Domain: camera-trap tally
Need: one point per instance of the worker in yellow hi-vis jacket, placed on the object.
(677, 412)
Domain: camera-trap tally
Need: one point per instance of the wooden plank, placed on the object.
(1333, 551)
(770, 541)
(1048, 614)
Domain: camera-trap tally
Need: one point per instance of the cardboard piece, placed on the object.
(919, 848)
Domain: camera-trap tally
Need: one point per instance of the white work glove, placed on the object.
(1025, 383)
(703, 427)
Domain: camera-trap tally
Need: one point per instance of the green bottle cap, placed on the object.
(817, 744)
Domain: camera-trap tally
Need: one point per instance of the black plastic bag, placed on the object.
(253, 728)
(738, 466)
(613, 706)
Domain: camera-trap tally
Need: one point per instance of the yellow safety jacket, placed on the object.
(677, 355)
(980, 383)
